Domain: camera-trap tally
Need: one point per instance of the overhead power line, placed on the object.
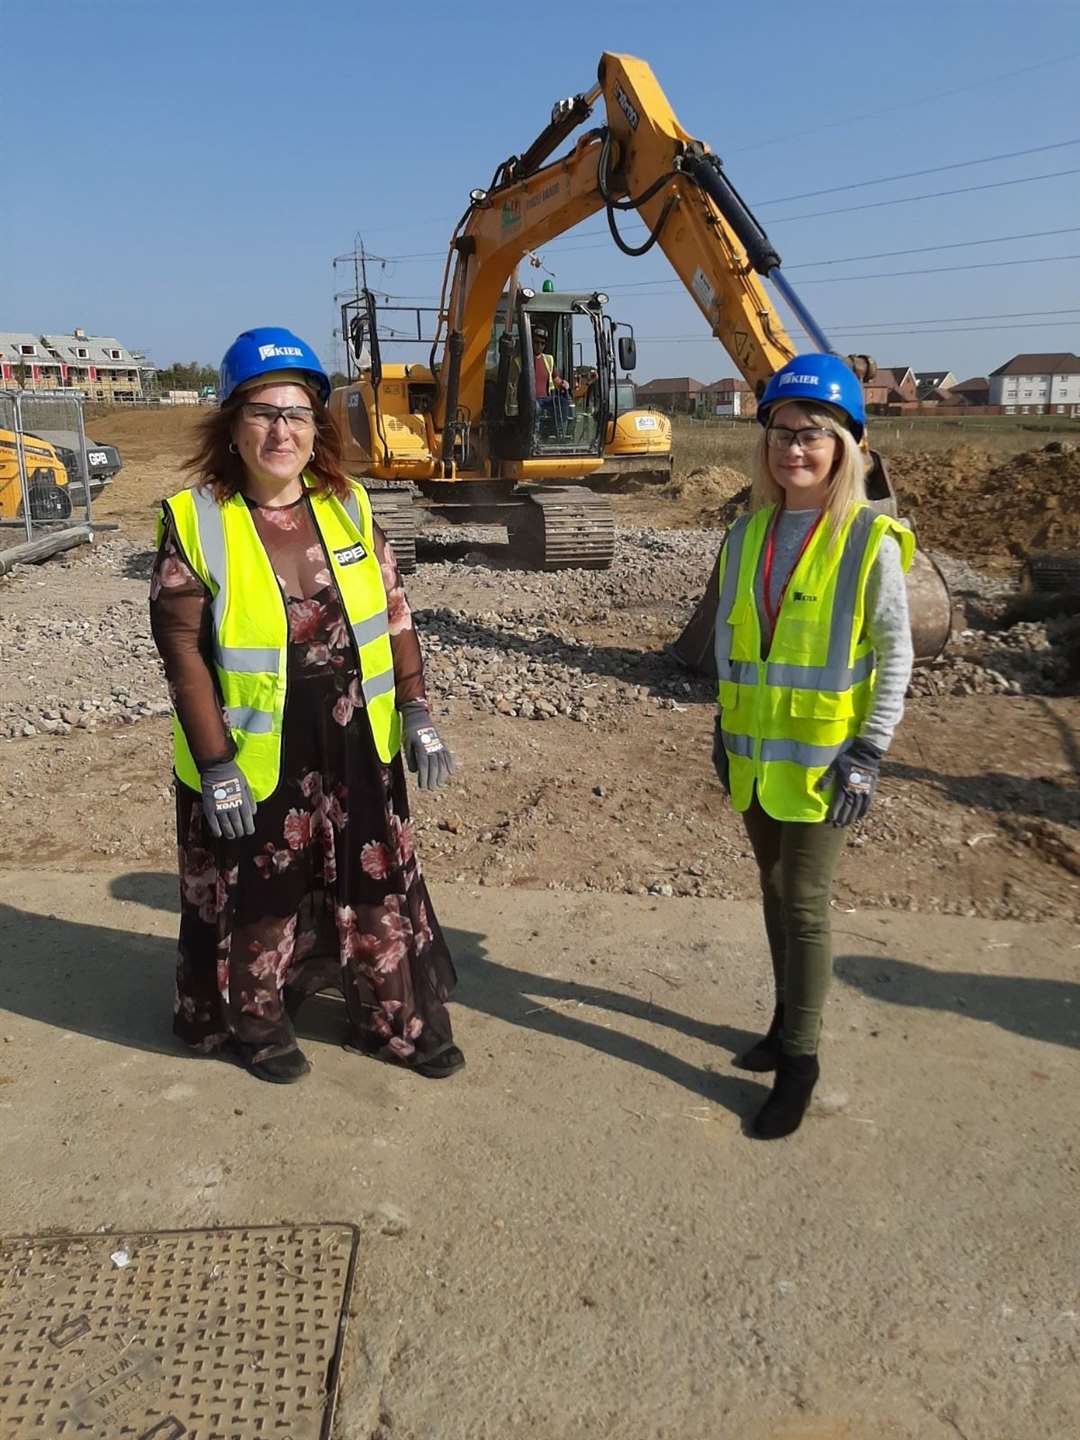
(837, 279)
(925, 249)
(914, 174)
(938, 270)
(870, 334)
(849, 120)
(929, 195)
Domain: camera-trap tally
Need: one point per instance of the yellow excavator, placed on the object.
(47, 477)
(638, 441)
(493, 427)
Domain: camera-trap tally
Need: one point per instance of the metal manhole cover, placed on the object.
(174, 1335)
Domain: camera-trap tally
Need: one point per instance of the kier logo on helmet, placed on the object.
(273, 352)
(800, 380)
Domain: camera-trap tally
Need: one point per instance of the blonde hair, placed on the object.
(847, 484)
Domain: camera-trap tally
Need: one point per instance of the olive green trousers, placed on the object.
(796, 863)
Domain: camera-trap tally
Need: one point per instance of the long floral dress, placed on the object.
(327, 894)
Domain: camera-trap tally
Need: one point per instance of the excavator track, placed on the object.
(394, 511)
(563, 527)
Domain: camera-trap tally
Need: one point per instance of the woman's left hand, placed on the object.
(426, 754)
(855, 774)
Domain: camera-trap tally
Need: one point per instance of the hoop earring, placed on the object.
(232, 449)
(311, 457)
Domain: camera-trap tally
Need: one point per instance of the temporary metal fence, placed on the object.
(44, 472)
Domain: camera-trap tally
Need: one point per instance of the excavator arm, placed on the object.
(641, 160)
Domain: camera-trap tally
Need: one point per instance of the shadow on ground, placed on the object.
(1028, 1005)
(117, 985)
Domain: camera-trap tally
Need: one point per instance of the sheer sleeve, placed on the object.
(404, 641)
(180, 620)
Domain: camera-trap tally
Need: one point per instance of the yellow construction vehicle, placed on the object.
(638, 441)
(493, 427)
(46, 474)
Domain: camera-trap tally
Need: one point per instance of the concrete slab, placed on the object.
(574, 1237)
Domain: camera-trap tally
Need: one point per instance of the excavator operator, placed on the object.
(552, 409)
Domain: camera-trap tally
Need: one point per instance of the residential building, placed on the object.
(25, 362)
(975, 391)
(1037, 384)
(98, 365)
(732, 397)
(892, 385)
(678, 393)
(933, 382)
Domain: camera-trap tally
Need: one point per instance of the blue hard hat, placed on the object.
(824, 379)
(264, 351)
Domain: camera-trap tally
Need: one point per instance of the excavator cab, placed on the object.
(547, 392)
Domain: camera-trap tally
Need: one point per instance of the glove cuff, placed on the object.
(865, 751)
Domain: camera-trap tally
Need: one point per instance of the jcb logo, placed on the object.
(623, 102)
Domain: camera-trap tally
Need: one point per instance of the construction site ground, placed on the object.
(576, 1238)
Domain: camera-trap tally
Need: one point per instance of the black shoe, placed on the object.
(782, 1113)
(280, 1067)
(765, 1053)
(447, 1062)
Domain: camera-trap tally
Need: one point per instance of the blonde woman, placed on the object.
(814, 655)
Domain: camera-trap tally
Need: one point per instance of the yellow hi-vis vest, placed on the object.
(250, 623)
(785, 718)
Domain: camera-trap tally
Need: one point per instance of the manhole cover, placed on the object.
(200, 1334)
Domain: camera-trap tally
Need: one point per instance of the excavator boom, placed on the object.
(641, 160)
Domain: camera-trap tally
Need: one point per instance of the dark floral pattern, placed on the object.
(328, 892)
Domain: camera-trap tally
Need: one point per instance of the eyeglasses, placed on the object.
(296, 417)
(810, 437)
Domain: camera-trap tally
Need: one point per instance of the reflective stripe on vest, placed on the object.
(223, 547)
(785, 720)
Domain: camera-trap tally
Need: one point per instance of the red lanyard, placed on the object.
(770, 548)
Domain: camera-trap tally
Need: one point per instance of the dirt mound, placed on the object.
(150, 434)
(707, 485)
(964, 503)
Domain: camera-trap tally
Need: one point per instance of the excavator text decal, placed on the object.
(627, 109)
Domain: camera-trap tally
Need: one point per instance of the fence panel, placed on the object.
(44, 473)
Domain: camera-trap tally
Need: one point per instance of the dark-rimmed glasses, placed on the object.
(809, 437)
(296, 417)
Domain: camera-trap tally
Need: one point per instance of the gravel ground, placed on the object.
(568, 643)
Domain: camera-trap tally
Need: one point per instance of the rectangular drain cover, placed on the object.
(174, 1334)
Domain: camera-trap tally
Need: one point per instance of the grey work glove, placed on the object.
(425, 753)
(855, 773)
(227, 802)
(720, 756)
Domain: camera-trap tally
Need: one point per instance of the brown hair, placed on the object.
(215, 465)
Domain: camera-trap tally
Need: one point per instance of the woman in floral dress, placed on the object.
(326, 892)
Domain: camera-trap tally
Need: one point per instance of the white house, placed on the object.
(1038, 385)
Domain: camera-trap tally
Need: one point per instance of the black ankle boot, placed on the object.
(782, 1113)
(764, 1053)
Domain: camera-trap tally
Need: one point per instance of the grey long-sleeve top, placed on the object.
(886, 617)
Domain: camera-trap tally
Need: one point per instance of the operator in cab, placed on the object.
(814, 655)
(551, 389)
(298, 685)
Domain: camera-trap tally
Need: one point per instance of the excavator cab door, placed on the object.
(571, 394)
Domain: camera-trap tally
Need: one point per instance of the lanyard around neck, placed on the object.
(770, 552)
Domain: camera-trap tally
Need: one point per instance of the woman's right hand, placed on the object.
(720, 756)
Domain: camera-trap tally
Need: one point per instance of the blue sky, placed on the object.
(176, 173)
